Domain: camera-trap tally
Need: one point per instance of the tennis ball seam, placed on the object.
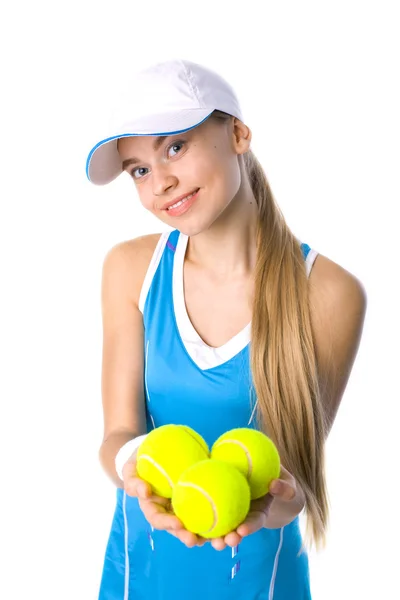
(159, 467)
(208, 497)
(195, 439)
(244, 448)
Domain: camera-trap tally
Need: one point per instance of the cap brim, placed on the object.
(104, 163)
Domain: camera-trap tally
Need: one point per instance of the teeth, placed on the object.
(182, 201)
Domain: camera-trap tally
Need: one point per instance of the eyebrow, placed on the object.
(156, 144)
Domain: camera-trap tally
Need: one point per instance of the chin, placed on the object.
(192, 228)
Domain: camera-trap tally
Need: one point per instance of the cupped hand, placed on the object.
(156, 509)
(283, 488)
(159, 513)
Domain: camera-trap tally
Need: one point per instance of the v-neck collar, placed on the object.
(205, 357)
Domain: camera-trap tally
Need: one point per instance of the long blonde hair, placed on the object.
(282, 355)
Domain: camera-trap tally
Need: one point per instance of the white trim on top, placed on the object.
(311, 256)
(152, 268)
(205, 357)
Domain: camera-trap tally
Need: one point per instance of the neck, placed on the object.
(228, 247)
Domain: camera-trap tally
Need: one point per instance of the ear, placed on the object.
(242, 136)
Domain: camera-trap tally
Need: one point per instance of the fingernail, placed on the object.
(275, 488)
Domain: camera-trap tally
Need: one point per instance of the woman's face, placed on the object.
(204, 158)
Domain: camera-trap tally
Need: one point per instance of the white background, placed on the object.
(319, 87)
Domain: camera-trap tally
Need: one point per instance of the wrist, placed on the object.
(125, 452)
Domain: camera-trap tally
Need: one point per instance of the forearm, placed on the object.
(283, 512)
(109, 450)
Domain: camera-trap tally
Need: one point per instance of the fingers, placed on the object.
(285, 490)
(156, 511)
(138, 488)
(233, 539)
(255, 520)
(257, 516)
(285, 486)
(188, 538)
(191, 539)
(134, 485)
(201, 541)
(218, 543)
(129, 468)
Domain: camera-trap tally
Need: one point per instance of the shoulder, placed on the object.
(331, 285)
(128, 262)
(338, 303)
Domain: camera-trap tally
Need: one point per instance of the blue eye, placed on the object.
(138, 169)
(175, 144)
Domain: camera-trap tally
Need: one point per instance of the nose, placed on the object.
(163, 180)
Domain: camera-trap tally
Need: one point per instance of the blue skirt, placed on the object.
(142, 564)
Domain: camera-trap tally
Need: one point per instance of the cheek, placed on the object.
(145, 198)
(226, 175)
(233, 177)
(146, 203)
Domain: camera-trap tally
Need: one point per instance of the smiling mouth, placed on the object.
(183, 200)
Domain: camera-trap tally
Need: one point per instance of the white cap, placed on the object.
(164, 99)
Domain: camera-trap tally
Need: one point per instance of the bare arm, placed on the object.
(338, 306)
(122, 358)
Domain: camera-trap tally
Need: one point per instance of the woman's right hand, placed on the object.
(156, 509)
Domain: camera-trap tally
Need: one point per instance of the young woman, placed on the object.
(225, 320)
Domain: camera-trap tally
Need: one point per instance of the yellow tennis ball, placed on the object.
(253, 453)
(197, 437)
(211, 498)
(165, 454)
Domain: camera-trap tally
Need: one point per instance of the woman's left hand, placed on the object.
(282, 491)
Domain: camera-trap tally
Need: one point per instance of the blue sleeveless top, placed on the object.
(210, 390)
